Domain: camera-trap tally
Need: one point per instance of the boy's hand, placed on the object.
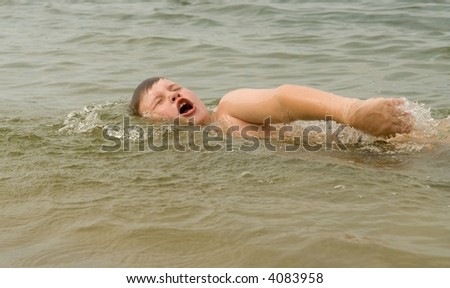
(379, 117)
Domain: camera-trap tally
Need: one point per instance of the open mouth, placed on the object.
(185, 107)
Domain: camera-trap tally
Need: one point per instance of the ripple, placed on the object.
(382, 202)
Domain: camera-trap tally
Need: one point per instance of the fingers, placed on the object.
(398, 120)
(384, 117)
(398, 101)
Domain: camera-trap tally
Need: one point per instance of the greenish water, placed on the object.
(68, 69)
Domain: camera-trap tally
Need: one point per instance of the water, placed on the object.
(68, 69)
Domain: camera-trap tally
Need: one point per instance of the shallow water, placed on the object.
(68, 69)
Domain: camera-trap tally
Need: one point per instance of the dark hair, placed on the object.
(139, 91)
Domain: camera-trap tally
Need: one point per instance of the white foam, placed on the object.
(423, 123)
(81, 121)
(85, 120)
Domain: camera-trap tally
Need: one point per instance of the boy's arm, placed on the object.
(287, 103)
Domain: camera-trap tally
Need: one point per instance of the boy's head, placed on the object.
(139, 92)
(159, 98)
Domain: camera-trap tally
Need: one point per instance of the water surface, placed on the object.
(68, 69)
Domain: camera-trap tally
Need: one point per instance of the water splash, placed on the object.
(424, 125)
(425, 133)
(90, 118)
(81, 121)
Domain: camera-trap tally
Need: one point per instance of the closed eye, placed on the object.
(174, 87)
(158, 100)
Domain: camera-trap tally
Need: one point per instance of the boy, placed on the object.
(159, 98)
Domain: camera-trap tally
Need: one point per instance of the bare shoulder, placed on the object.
(247, 95)
(248, 105)
(232, 99)
(238, 95)
(230, 105)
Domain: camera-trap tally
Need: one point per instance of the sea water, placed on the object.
(68, 69)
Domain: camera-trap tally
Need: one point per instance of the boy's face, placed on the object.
(167, 100)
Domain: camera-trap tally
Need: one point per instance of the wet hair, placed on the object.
(140, 90)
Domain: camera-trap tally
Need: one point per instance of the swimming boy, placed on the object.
(159, 98)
